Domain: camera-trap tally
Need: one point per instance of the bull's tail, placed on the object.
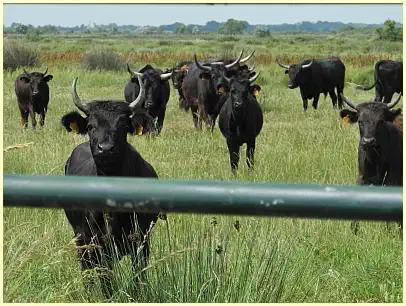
(363, 87)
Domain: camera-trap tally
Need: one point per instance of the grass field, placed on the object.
(194, 258)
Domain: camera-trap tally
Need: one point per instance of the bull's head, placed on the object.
(241, 88)
(37, 80)
(178, 75)
(218, 71)
(153, 82)
(295, 72)
(107, 123)
(372, 118)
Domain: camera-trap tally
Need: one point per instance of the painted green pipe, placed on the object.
(214, 197)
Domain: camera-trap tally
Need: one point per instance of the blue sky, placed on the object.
(158, 14)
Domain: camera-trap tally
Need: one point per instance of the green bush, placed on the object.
(102, 59)
(227, 38)
(17, 53)
(389, 31)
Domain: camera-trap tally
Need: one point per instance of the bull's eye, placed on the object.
(90, 127)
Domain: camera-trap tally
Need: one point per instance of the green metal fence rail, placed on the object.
(215, 197)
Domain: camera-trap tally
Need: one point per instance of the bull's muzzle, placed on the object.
(368, 141)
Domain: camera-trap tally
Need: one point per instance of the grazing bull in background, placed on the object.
(107, 153)
(314, 77)
(388, 80)
(240, 119)
(32, 93)
(157, 92)
(203, 87)
(380, 149)
(178, 74)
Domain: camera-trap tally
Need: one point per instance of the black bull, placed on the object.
(388, 80)
(105, 236)
(314, 77)
(157, 91)
(240, 119)
(32, 93)
(380, 148)
(203, 86)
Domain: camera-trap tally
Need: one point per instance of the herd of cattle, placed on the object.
(215, 88)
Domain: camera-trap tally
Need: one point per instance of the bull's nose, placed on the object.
(290, 85)
(104, 147)
(367, 141)
(35, 92)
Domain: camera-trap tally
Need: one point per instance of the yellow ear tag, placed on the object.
(221, 90)
(346, 120)
(256, 92)
(74, 127)
(138, 130)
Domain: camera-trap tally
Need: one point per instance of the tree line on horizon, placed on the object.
(389, 30)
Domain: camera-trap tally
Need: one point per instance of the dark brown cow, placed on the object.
(32, 93)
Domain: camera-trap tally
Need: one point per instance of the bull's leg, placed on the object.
(140, 262)
(340, 100)
(234, 151)
(32, 115)
(387, 98)
(250, 153)
(210, 123)
(333, 98)
(202, 117)
(305, 104)
(42, 118)
(379, 94)
(316, 100)
(355, 226)
(90, 258)
(24, 118)
(161, 118)
(195, 116)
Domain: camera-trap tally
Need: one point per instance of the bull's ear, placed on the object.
(48, 77)
(145, 68)
(255, 89)
(141, 122)
(349, 116)
(73, 121)
(204, 75)
(24, 78)
(393, 113)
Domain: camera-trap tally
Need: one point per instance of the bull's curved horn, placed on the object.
(79, 104)
(129, 69)
(200, 66)
(307, 65)
(46, 70)
(348, 102)
(134, 103)
(283, 65)
(393, 103)
(229, 66)
(254, 77)
(251, 69)
(247, 58)
(165, 76)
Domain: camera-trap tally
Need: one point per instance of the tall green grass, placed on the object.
(205, 258)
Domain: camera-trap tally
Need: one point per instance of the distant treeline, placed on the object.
(231, 26)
